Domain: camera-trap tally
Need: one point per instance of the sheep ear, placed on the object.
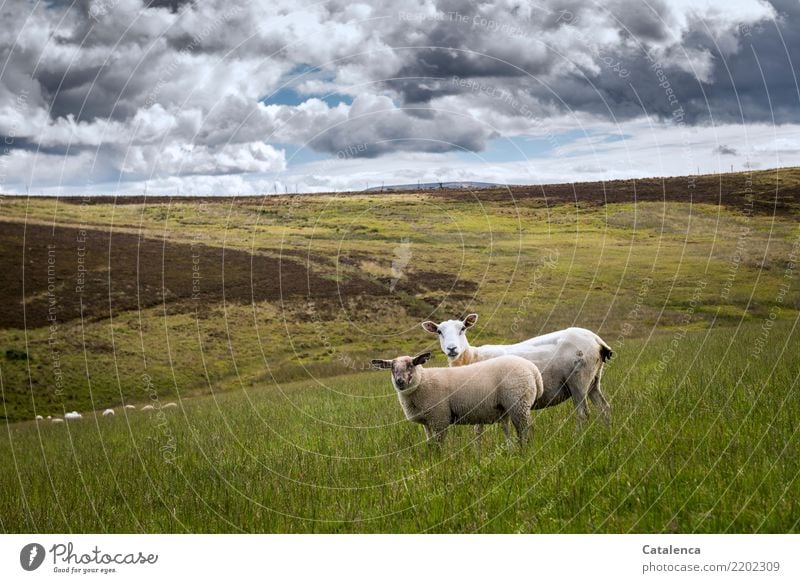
(421, 358)
(377, 363)
(430, 327)
(470, 320)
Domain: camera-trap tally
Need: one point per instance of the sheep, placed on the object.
(56, 420)
(147, 408)
(130, 406)
(170, 406)
(108, 413)
(499, 390)
(571, 361)
(73, 415)
(39, 418)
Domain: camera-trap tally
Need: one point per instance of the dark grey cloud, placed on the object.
(724, 150)
(27, 145)
(642, 21)
(130, 77)
(656, 49)
(754, 84)
(380, 130)
(172, 5)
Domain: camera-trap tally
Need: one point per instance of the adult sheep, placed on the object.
(571, 361)
(501, 390)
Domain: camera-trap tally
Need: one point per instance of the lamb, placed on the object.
(73, 415)
(39, 418)
(499, 390)
(108, 413)
(56, 420)
(170, 406)
(130, 406)
(571, 361)
(147, 408)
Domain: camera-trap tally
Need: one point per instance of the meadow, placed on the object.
(259, 316)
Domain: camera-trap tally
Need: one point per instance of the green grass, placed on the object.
(601, 257)
(701, 444)
(281, 430)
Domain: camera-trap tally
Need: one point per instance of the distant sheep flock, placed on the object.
(74, 415)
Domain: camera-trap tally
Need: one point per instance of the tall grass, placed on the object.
(704, 439)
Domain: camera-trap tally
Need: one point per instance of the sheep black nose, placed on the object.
(399, 382)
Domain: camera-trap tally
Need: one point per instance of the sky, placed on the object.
(259, 96)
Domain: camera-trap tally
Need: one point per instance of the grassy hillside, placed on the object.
(219, 294)
(260, 314)
(705, 439)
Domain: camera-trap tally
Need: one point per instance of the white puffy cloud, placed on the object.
(164, 89)
(184, 159)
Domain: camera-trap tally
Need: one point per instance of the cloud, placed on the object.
(174, 87)
(377, 124)
(724, 150)
(780, 145)
(187, 159)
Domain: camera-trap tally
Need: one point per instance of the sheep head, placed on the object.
(405, 374)
(452, 334)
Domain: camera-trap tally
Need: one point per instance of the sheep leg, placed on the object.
(436, 434)
(506, 428)
(599, 401)
(478, 436)
(581, 408)
(579, 383)
(521, 418)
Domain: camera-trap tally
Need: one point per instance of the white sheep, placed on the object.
(147, 408)
(499, 390)
(108, 413)
(39, 418)
(170, 406)
(72, 415)
(56, 420)
(571, 361)
(130, 406)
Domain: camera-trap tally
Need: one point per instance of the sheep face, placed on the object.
(405, 374)
(452, 334)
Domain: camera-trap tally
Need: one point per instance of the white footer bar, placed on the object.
(354, 558)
